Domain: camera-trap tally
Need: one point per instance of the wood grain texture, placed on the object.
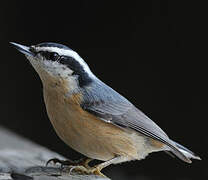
(21, 159)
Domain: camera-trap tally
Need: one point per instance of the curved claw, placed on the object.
(82, 162)
(62, 162)
(83, 170)
(54, 161)
(97, 171)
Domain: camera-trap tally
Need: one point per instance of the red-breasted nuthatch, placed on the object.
(91, 117)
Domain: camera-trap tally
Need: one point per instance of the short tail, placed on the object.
(184, 154)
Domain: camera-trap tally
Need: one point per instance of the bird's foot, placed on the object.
(86, 170)
(81, 162)
(62, 162)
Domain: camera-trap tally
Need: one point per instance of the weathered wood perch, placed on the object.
(21, 159)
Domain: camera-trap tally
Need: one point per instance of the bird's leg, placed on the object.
(81, 162)
(96, 170)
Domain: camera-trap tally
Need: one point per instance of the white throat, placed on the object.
(53, 73)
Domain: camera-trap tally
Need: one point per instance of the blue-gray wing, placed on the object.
(111, 107)
(125, 114)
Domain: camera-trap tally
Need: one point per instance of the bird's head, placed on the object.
(57, 62)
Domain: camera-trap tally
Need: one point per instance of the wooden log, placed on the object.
(21, 159)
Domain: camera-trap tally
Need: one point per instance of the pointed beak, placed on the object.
(23, 49)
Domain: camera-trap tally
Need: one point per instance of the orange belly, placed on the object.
(84, 132)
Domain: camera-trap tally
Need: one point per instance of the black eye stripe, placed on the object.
(71, 63)
(77, 69)
(53, 56)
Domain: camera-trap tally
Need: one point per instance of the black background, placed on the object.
(152, 52)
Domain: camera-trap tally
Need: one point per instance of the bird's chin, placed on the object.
(35, 64)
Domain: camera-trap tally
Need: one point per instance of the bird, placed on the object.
(91, 117)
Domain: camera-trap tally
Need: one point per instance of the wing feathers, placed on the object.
(111, 107)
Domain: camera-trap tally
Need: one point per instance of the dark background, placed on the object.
(152, 52)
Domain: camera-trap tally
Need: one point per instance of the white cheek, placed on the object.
(36, 65)
(52, 67)
(56, 70)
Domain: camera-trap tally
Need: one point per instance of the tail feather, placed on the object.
(187, 155)
(187, 152)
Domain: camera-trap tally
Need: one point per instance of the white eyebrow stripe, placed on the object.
(67, 52)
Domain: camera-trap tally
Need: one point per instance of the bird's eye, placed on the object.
(54, 56)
